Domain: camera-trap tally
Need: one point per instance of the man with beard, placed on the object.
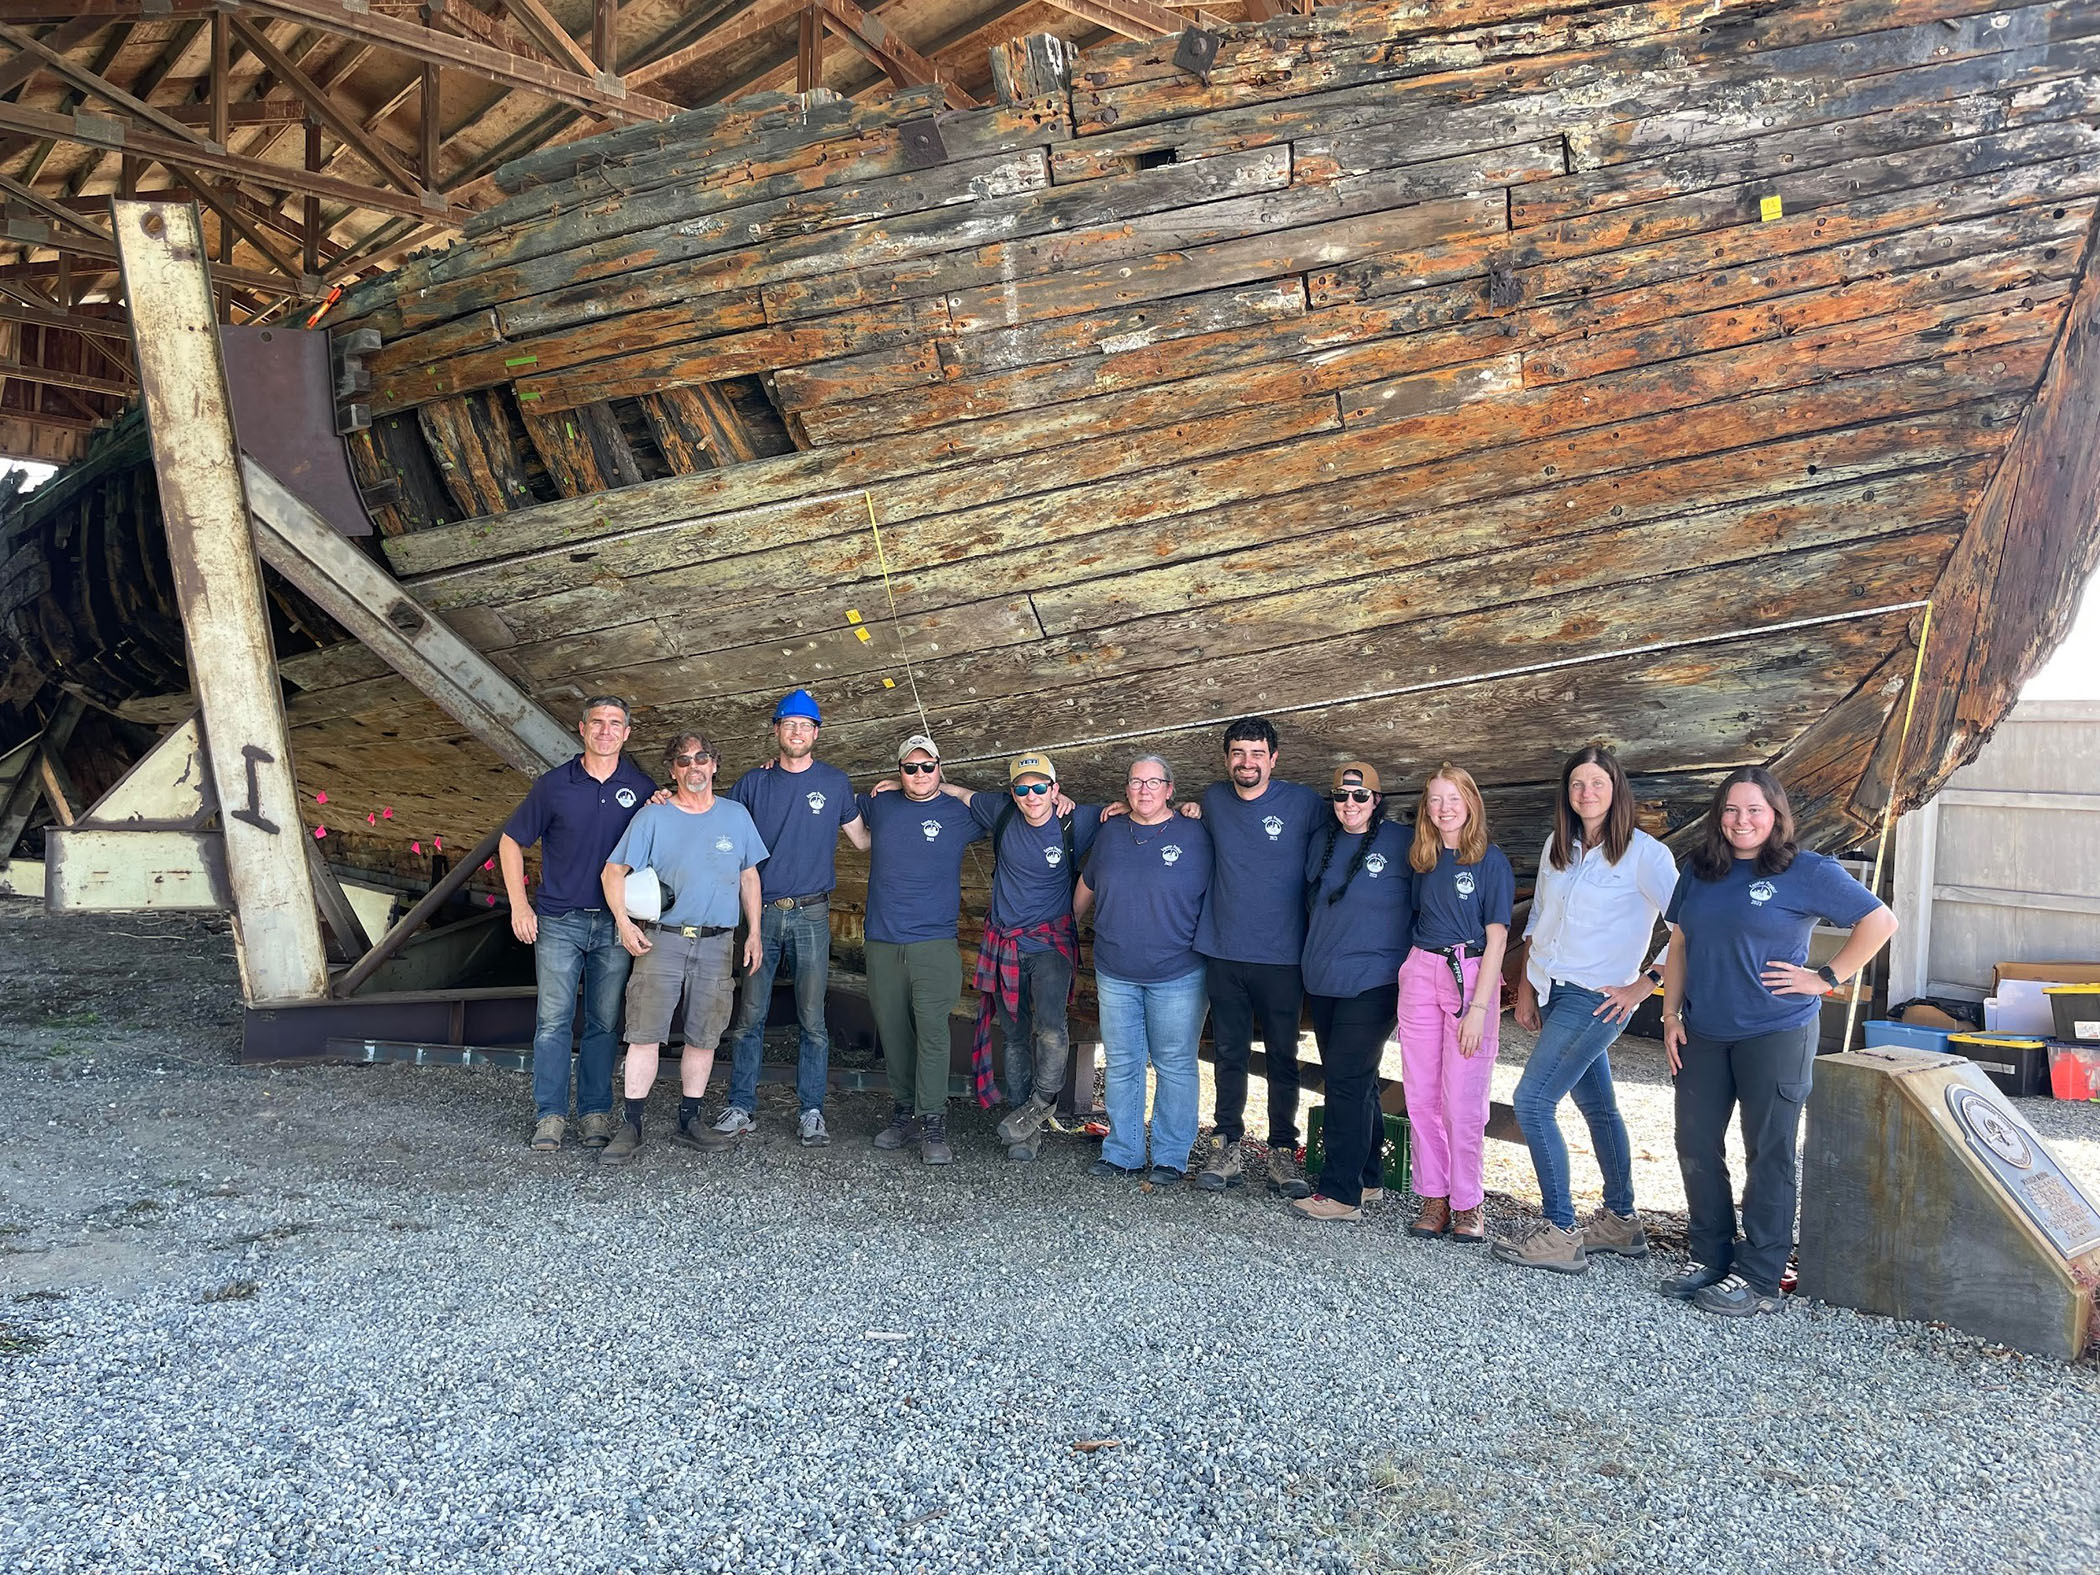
(800, 806)
(705, 853)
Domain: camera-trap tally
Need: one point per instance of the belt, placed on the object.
(799, 902)
(692, 932)
(1453, 957)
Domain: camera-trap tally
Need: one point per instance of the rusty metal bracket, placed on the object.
(1197, 52)
(923, 147)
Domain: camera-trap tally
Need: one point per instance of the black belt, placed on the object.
(799, 902)
(1454, 957)
(692, 932)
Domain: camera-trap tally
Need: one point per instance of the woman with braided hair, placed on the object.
(1359, 901)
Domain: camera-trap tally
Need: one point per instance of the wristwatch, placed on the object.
(1653, 975)
(1829, 976)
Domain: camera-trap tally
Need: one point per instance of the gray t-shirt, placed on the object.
(699, 858)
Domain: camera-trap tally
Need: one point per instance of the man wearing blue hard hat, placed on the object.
(800, 806)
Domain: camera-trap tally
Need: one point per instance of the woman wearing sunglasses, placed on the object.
(1359, 904)
(1451, 1002)
(1145, 882)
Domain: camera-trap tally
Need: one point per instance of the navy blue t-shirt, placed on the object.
(798, 813)
(1358, 942)
(915, 865)
(1734, 926)
(1455, 903)
(1030, 884)
(1255, 912)
(577, 820)
(1148, 884)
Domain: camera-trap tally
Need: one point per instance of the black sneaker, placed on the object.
(1164, 1176)
(1109, 1170)
(933, 1141)
(1696, 1278)
(1736, 1297)
(902, 1130)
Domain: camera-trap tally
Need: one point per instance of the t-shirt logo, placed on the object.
(1053, 856)
(624, 798)
(1171, 853)
(1374, 866)
(724, 845)
(932, 828)
(1762, 892)
(1273, 825)
(816, 803)
(1464, 882)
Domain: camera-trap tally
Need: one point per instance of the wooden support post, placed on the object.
(221, 97)
(218, 585)
(432, 130)
(809, 51)
(28, 785)
(605, 36)
(311, 218)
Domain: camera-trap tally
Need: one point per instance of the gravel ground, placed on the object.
(340, 1319)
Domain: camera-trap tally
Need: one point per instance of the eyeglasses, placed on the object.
(1024, 789)
(912, 768)
(1148, 782)
(1352, 795)
(693, 759)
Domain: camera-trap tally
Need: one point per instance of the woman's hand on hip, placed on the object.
(1620, 1004)
(1785, 978)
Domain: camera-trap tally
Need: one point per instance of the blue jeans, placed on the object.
(804, 934)
(1571, 1058)
(580, 947)
(1157, 1024)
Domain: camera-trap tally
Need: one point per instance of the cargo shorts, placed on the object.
(699, 968)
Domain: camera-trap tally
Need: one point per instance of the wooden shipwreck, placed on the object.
(1460, 379)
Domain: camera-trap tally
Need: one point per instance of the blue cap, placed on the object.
(800, 703)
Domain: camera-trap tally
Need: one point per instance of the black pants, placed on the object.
(1352, 1031)
(1767, 1077)
(1243, 995)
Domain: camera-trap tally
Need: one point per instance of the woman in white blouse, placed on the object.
(1602, 884)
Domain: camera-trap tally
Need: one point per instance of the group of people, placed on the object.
(1254, 905)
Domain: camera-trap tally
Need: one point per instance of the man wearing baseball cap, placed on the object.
(799, 806)
(917, 840)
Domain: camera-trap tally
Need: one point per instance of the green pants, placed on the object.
(911, 990)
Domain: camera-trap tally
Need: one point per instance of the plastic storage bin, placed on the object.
(2018, 1065)
(2074, 1070)
(1395, 1147)
(2076, 1008)
(1908, 1036)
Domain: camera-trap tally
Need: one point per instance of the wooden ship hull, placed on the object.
(1446, 381)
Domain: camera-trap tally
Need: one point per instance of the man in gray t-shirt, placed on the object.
(705, 853)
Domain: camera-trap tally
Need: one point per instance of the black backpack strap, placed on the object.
(1064, 826)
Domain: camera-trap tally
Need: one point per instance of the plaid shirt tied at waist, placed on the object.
(998, 984)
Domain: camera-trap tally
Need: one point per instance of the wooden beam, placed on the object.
(219, 90)
(430, 132)
(20, 800)
(605, 35)
(218, 585)
(222, 201)
(67, 35)
(97, 327)
(761, 17)
(97, 86)
(30, 373)
(273, 112)
(51, 210)
(92, 245)
(1139, 19)
(613, 102)
(904, 64)
(809, 50)
(552, 36)
(362, 142)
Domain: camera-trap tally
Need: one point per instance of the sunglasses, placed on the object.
(912, 768)
(691, 760)
(1026, 789)
(1352, 795)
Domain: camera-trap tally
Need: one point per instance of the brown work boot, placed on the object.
(598, 1128)
(1319, 1206)
(1433, 1221)
(1285, 1174)
(626, 1143)
(1222, 1169)
(1620, 1233)
(1540, 1244)
(1469, 1226)
(546, 1134)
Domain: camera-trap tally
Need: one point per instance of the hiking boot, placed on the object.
(625, 1144)
(1165, 1176)
(1433, 1221)
(1540, 1244)
(1619, 1233)
(698, 1134)
(903, 1128)
(598, 1128)
(546, 1134)
(1109, 1170)
(1027, 1120)
(1319, 1206)
(1222, 1170)
(735, 1122)
(933, 1141)
(1027, 1150)
(814, 1133)
(1736, 1297)
(1285, 1177)
(1696, 1278)
(1469, 1226)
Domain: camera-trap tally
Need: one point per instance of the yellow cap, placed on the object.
(1035, 764)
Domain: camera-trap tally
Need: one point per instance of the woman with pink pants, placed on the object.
(1451, 1002)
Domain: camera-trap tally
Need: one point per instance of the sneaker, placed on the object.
(903, 1129)
(1027, 1120)
(1540, 1244)
(546, 1134)
(598, 1128)
(697, 1134)
(1109, 1170)
(1319, 1206)
(1469, 1226)
(1284, 1175)
(1696, 1278)
(1222, 1170)
(1165, 1176)
(625, 1144)
(933, 1141)
(814, 1133)
(735, 1122)
(1620, 1233)
(1025, 1151)
(1736, 1297)
(1433, 1221)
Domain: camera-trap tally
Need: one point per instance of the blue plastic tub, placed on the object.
(1908, 1036)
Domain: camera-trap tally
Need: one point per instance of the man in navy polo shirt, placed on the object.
(577, 813)
(800, 806)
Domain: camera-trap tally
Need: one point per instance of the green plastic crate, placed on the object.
(1395, 1146)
